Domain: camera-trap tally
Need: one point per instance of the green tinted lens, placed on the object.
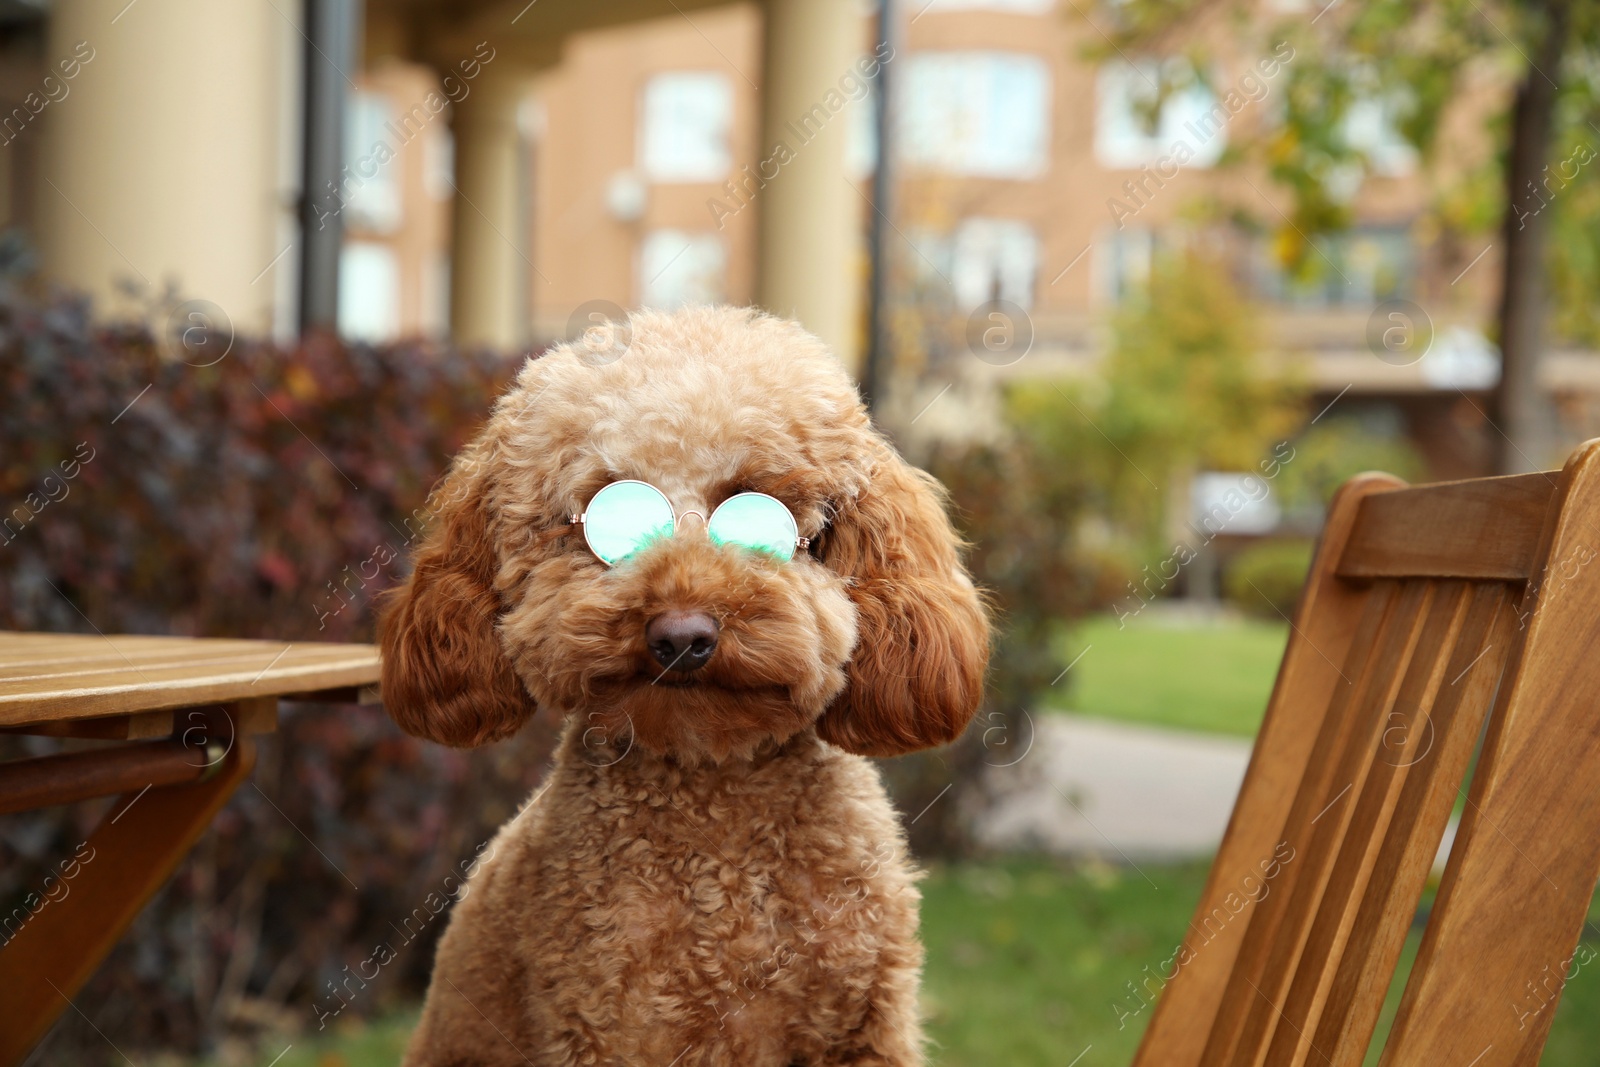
(624, 517)
(756, 521)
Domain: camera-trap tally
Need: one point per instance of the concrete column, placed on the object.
(809, 263)
(490, 253)
(159, 165)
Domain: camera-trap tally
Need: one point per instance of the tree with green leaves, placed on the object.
(1072, 504)
(1415, 59)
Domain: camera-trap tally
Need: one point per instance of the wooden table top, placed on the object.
(57, 677)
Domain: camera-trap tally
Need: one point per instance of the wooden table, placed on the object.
(183, 710)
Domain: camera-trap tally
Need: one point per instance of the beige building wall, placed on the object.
(419, 238)
(590, 107)
(1068, 205)
(590, 140)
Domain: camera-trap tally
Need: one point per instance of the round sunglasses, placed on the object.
(627, 516)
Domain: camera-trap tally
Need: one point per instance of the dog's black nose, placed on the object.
(682, 640)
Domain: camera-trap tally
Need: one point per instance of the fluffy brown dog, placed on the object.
(713, 874)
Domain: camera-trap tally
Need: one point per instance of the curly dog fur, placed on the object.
(713, 874)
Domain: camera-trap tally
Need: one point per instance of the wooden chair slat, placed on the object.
(1435, 759)
(1487, 528)
(1516, 891)
(1381, 768)
(1322, 807)
(1325, 626)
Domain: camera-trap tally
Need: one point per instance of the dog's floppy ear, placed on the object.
(916, 677)
(445, 677)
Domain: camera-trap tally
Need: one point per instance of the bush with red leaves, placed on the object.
(273, 493)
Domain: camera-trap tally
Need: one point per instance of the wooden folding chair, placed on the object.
(1425, 608)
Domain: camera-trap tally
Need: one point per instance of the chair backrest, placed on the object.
(1429, 610)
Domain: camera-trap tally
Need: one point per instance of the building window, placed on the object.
(439, 164)
(861, 135)
(981, 260)
(677, 268)
(994, 259)
(1133, 130)
(435, 302)
(683, 135)
(372, 184)
(983, 114)
(1361, 267)
(1122, 263)
(369, 292)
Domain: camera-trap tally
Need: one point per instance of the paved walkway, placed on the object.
(1089, 785)
(1122, 791)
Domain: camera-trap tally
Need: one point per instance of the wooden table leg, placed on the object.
(129, 856)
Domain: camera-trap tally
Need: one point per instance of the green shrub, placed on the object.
(1265, 579)
(1330, 453)
(1018, 506)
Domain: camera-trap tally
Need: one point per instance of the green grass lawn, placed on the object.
(1027, 963)
(352, 1043)
(1213, 676)
(1027, 960)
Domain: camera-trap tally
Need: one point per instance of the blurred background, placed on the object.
(1141, 281)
